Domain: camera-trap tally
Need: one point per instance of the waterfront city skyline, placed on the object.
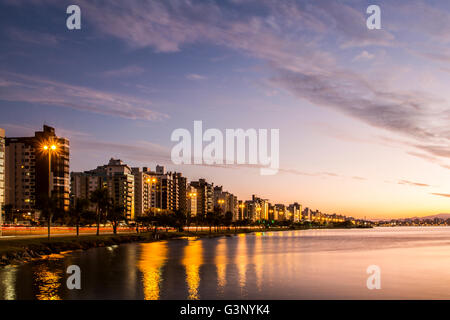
(357, 136)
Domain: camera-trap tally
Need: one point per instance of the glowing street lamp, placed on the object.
(50, 148)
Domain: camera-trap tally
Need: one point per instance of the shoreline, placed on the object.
(17, 251)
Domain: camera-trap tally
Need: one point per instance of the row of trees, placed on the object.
(81, 213)
(100, 208)
(177, 219)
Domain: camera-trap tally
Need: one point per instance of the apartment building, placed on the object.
(30, 176)
(116, 176)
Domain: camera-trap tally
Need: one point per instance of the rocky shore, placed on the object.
(15, 251)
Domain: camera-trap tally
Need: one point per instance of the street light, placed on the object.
(50, 148)
(242, 206)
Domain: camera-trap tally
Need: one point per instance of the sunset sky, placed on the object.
(363, 114)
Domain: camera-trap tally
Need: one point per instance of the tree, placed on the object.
(50, 208)
(101, 199)
(228, 219)
(116, 213)
(210, 219)
(9, 212)
(77, 210)
(180, 220)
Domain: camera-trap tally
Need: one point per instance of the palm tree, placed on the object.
(78, 208)
(228, 219)
(116, 214)
(101, 199)
(50, 208)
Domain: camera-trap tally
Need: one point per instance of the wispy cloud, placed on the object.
(414, 184)
(139, 151)
(364, 56)
(31, 89)
(195, 76)
(288, 36)
(442, 194)
(33, 37)
(123, 72)
(293, 39)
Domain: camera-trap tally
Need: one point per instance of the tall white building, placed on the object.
(2, 175)
(116, 176)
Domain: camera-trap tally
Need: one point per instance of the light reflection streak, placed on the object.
(152, 260)
(241, 261)
(221, 263)
(48, 283)
(258, 260)
(8, 282)
(192, 260)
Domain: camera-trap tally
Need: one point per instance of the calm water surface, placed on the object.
(309, 264)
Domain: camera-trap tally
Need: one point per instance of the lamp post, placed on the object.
(49, 148)
(193, 197)
(242, 206)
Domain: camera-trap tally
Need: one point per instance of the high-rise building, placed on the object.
(280, 210)
(116, 176)
(28, 180)
(173, 190)
(2, 175)
(226, 201)
(191, 200)
(295, 210)
(205, 201)
(261, 208)
(147, 190)
(83, 184)
(306, 214)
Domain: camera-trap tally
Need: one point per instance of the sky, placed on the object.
(363, 114)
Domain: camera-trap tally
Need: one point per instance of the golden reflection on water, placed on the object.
(152, 260)
(221, 263)
(192, 260)
(258, 259)
(8, 282)
(48, 283)
(241, 260)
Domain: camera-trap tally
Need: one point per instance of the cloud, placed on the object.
(31, 89)
(414, 184)
(123, 72)
(33, 37)
(441, 194)
(289, 38)
(23, 130)
(364, 56)
(194, 76)
(300, 42)
(140, 151)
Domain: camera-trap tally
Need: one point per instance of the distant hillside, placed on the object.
(440, 216)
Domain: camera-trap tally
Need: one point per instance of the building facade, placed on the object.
(205, 199)
(2, 175)
(28, 178)
(147, 190)
(226, 202)
(191, 200)
(116, 176)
